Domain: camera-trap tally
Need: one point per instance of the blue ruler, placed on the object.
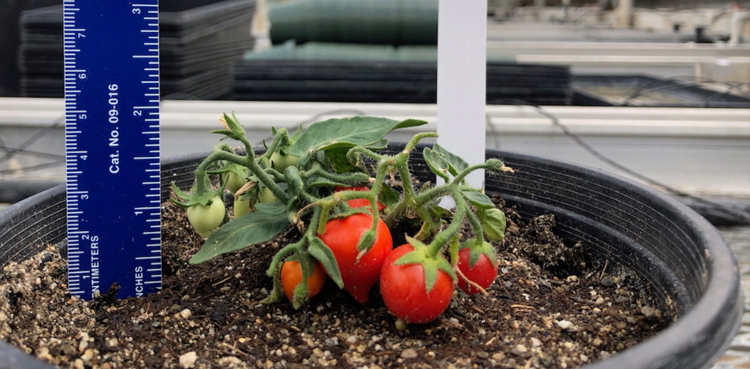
(111, 53)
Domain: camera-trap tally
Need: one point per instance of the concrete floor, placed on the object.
(738, 355)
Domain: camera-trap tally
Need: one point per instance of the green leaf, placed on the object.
(436, 162)
(388, 196)
(228, 134)
(297, 134)
(455, 163)
(493, 224)
(251, 229)
(478, 199)
(346, 132)
(323, 253)
(234, 125)
(437, 211)
(338, 160)
(380, 145)
(271, 208)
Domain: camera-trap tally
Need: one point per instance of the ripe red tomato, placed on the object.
(342, 236)
(291, 277)
(404, 293)
(358, 203)
(483, 273)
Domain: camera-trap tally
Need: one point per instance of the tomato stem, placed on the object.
(473, 220)
(414, 140)
(442, 238)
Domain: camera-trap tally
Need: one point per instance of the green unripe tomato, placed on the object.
(266, 196)
(205, 219)
(241, 207)
(281, 162)
(234, 182)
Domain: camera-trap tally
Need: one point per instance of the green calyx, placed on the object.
(301, 292)
(194, 197)
(430, 264)
(476, 250)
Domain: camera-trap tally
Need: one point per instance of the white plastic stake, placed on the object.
(461, 83)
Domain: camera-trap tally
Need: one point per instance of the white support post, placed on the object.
(461, 83)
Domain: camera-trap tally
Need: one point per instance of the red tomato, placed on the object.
(483, 273)
(291, 277)
(342, 236)
(404, 293)
(358, 203)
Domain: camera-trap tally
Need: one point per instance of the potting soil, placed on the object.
(548, 308)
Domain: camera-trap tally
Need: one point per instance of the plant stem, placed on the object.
(202, 183)
(461, 175)
(364, 151)
(443, 237)
(264, 178)
(418, 137)
(288, 249)
(346, 178)
(473, 220)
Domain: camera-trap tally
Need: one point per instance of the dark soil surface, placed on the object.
(548, 308)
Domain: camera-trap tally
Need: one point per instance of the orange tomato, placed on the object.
(291, 277)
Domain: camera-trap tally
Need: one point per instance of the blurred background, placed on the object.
(654, 90)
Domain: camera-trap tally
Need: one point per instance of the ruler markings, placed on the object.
(94, 87)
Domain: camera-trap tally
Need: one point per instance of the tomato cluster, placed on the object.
(320, 183)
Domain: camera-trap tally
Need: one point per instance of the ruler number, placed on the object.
(81, 35)
(137, 113)
(82, 116)
(84, 196)
(136, 11)
(84, 157)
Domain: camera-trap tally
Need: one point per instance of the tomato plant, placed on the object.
(291, 277)
(404, 292)
(318, 182)
(206, 218)
(342, 237)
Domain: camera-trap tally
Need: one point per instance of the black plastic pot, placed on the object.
(676, 251)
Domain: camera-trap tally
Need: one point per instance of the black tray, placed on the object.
(395, 82)
(639, 90)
